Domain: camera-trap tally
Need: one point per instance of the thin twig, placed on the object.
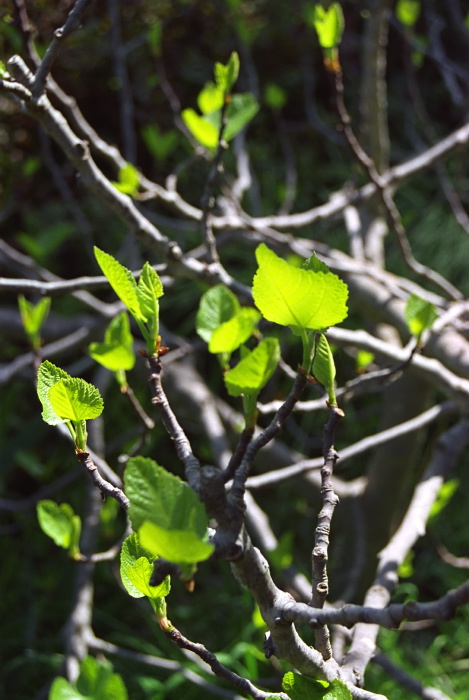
(106, 488)
(320, 588)
(217, 667)
(182, 445)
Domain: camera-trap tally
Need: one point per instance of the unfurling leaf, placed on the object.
(324, 367)
(122, 282)
(47, 376)
(115, 352)
(231, 334)
(329, 25)
(33, 316)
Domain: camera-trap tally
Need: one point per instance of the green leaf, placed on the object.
(170, 505)
(149, 290)
(160, 144)
(202, 129)
(61, 689)
(253, 372)
(129, 180)
(180, 546)
(98, 681)
(445, 494)
(226, 76)
(275, 97)
(33, 317)
(324, 367)
(303, 688)
(139, 575)
(329, 25)
(210, 99)
(61, 524)
(116, 352)
(315, 265)
(131, 574)
(76, 400)
(48, 375)
(217, 306)
(364, 359)
(233, 333)
(241, 110)
(408, 11)
(122, 282)
(299, 298)
(419, 314)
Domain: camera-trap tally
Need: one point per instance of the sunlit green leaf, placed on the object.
(227, 75)
(217, 305)
(408, 11)
(33, 316)
(329, 24)
(129, 180)
(253, 372)
(74, 399)
(180, 546)
(163, 500)
(202, 130)
(116, 352)
(231, 334)
(48, 375)
(210, 98)
(299, 298)
(301, 687)
(122, 282)
(139, 574)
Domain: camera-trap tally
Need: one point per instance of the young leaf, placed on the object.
(166, 502)
(315, 265)
(217, 305)
(139, 574)
(179, 546)
(303, 688)
(61, 524)
(202, 130)
(48, 375)
(210, 98)
(230, 335)
(76, 400)
(33, 317)
(129, 180)
(116, 352)
(122, 282)
(299, 298)
(149, 290)
(419, 314)
(329, 24)
(324, 367)
(241, 110)
(226, 76)
(97, 680)
(408, 11)
(131, 552)
(253, 372)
